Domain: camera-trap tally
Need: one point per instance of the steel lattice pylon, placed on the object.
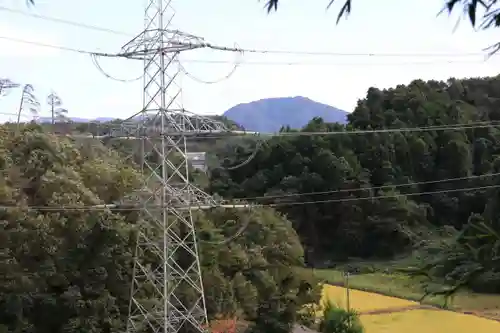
(167, 291)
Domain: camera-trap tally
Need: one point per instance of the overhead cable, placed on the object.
(456, 127)
(109, 76)
(239, 205)
(252, 50)
(246, 63)
(237, 63)
(63, 21)
(383, 187)
(62, 48)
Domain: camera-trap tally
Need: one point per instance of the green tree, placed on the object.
(60, 269)
(345, 194)
(69, 269)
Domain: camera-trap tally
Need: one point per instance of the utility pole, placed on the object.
(167, 293)
(348, 291)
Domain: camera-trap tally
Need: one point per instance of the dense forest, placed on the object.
(324, 194)
(69, 269)
(364, 191)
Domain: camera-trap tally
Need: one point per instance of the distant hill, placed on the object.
(269, 115)
(228, 122)
(78, 120)
(265, 115)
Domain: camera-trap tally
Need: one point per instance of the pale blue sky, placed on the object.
(389, 26)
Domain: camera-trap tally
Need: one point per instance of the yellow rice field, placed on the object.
(363, 301)
(409, 321)
(428, 321)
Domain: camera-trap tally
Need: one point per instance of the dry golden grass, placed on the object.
(411, 321)
(402, 286)
(362, 301)
(428, 321)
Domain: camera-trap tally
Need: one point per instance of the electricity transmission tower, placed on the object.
(167, 292)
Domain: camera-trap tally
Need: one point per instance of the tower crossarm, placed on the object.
(171, 41)
(179, 195)
(147, 124)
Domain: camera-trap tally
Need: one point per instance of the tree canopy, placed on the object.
(69, 269)
(381, 195)
(370, 191)
(367, 190)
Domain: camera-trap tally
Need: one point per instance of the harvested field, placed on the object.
(428, 321)
(404, 287)
(363, 301)
(384, 314)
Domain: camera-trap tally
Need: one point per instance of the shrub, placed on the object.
(338, 320)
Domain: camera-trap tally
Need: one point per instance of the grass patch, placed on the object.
(338, 320)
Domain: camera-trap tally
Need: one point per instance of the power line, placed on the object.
(116, 207)
(341, 190)
(457, 127)
(397, 130)
(439, 181)
(332, 63)
(109, 76)
(251, 50)
(63, 21)
(14, 114)
(381, 197)
(236, 64)
(246, 63)
(207, 135)
(360, 54)
(126, 55)
(276, 52)
(62, 48)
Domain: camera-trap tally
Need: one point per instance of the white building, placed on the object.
(198, 160)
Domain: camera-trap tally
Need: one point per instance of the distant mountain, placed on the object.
(265, 115)
(103, 119)
(269, 115)
(78, 120)
(228, 122)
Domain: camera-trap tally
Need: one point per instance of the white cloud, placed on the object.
(11, 48)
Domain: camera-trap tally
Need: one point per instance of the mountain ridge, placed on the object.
(266, 115)
(270, 114)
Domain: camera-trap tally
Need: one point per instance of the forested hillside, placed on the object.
(329, 193)
(383, 194)
(66, 266)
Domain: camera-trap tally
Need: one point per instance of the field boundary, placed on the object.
(399, 309)
(426, 303)
(427, 307)
(420, 306)
(388, 294)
